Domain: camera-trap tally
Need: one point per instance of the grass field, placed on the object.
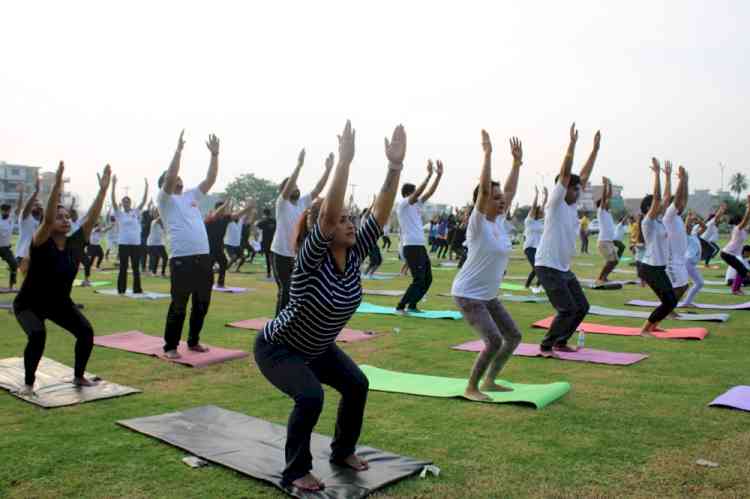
(621, 431)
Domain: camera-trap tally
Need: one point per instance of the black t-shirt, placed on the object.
(268, 228)
(245, 235)
(216, 230)
(51, 274)
(146, 220)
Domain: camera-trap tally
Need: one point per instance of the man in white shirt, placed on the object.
(606, 243)
(289, 208)
(409, 213)
(557, 247)
(191, 273)
(28, 221)
(709, 235)
(129, 238)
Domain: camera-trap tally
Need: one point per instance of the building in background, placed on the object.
(11, 176)
(616, 202)
(46, 183)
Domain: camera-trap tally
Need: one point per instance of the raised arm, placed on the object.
(324, 179)
(114, 196)
(746, 219)
(485, 176)
(19, 200)
(96, 207)
(173, 171)
(667, 198)
(681, 196)
(32, 199)
(43, 232)
(567, 164)
(606, 193)
(395, 150)
(247, 211)
(589, 165)
(145, 195)
(511, 183)
(414, 197)
(213, 167)
(291, 182)
(534, 211)
(653, 212)
(425, 197)
(333, 205)
(545, 195)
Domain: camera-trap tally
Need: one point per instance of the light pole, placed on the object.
(721, 167)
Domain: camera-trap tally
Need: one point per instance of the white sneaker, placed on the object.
(172, 354)
(86, 283)
(27, 391)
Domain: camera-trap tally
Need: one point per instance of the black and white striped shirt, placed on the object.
(322, 299)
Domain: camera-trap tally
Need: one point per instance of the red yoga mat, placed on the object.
(345, 336)
(687, 333)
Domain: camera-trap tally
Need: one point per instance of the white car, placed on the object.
(594, 226)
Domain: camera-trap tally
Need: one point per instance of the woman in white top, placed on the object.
(129, 238)
(709, 235)
(94, 252)
(692, 257)
(732, 252)
(654, 264)
(156, 248)
(533, 227)
(476, 284)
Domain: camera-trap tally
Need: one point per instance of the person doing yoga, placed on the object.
(677, 243)
(732, 252)
(476, 284)
(129, 238)
(533, 227)
(605, 243)
(692, 257)
(45, 293)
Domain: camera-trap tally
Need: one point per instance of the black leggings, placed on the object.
(68, 317)
(376, 260)
(620, 248)
(658, 280)
(386, 242)
(282, 272)
(131, 253)
(94, 252)
(157, 253)
(218, 256)
(7, 255)
(531, 257)
(709, 250)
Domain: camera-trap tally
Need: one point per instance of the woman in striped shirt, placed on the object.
(297, 350)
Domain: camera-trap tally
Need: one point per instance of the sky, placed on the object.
(104, 82)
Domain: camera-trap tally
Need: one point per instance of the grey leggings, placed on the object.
(498, 331)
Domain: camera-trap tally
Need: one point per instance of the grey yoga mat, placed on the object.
(617, 312)
(255, 448)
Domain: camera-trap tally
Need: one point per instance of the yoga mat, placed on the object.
(435, 386)
(146, 295)
(616, 312)
(509, 286)
(369, 308)
(92, 284)
(6, 306)
(54, 387)
(345, 336)
(377, 278)
(449, 264)
(607, 286)
(388, 274)
(591, 283)
(230, 289)
(585, 355)
(714, 291)
(706, 306)
(695, 333)
(709, 282)
(384, 292)
(137, 342)
(584, 264)
(8, 290)
(626, 259)
(736, 398)
(511, 298)
(255, 448)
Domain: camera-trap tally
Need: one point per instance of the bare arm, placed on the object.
(653, 212)
(213, 167)
(425, 197)
(170, 181)
(19, 201)
(43, 232)
(589, 165)
(567, 164)
(667, 198)
(333, 205)
(395, 150)
(414, 197)
(114, 196)
(30, 202)
(746, 219)
(511, 183)
(324, 179)
(534, 211)
(145, 195)
(291, 183)
(96, 207)
(681, 196)
(485, 176)
(606, 193)
(545, 195)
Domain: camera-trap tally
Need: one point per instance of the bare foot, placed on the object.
(547, 354)
(356, 463)
(309, 483)
(475, 395)
(81, 381)
(491, 386)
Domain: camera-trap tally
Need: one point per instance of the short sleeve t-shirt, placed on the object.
(184, 222)
(26, 229)
(606, 225)
(676, 237)
(655, 238)
(96, 236)
(233, 236)
(155, 235)
(489, 250)
(532, 232)
(736, 241)
(693, 253)
(6, 231)
(619, 231)
(711, 234)
(287, 216)
(410, 219)
(558, 243)
(129, 223)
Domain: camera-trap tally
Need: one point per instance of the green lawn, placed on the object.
(621, 431)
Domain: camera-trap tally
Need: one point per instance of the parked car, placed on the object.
(594, 226)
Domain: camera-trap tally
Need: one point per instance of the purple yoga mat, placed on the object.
(230, 289)
(735, 306)
(585, 355)
(736, 398)
(137, 342)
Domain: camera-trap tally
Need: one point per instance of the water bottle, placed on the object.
(581, 339)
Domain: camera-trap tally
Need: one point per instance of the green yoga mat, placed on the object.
(509, 286)
(383, 380)
(369, 308)
(93, 284)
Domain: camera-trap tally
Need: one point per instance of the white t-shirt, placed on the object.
(606, 225)
(155, 235)
(693, 253)
(6, 231)
(655, 237)
(734, 246)
(676, 237)
(113, 235)
(185, 227)
(129, 223)
(287, 216)
(95, 237)
(26, 230)
(731, 273)
(532, 231)
(233, 236)
(711, 234)
(558, 244)
(410, 219)
(489, 249)
(619, 232)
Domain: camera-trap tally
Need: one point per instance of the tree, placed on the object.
(738, 184)
(249, 186)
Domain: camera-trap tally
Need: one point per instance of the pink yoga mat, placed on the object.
(137, 342)
(345, 336)
(687, 333)
(230, 289)
(736, 398)
(707, 306)
(585, 355)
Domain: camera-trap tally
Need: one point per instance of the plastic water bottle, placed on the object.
(581, 339)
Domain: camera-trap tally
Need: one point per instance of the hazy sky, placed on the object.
(97, 82)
